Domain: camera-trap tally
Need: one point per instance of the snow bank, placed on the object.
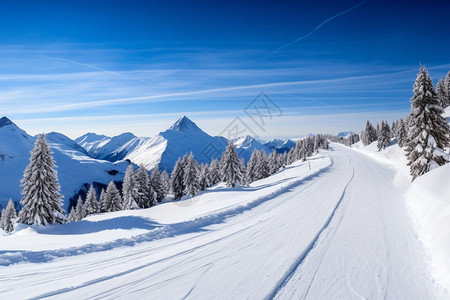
(428, 199)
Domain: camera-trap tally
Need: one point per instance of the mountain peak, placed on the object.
(4, 121)
(184, 124)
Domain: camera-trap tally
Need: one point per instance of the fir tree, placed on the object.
(176, 180)
(72, 215)
(128, 189)
(384, 136)
(429, 132)
(273, 162)
(442, 93)
(191, 177)
(102, 200)
(80, 210)
(369, 134)
(113, 200)
(214, 172)
(8, 217)
(230, 166)
(41, 198)
(262, 166)
(252, 165)
(243, 168)
(91, 203)
(145, 196)
(402, 133)
(204, 177)
(157, 184)
(447, 89)
(165, 182)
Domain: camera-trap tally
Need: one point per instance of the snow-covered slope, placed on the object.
(74, 167)
(281, 238)
(92, 141)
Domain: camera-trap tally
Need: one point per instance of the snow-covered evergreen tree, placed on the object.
(291, 156)
(447, 88)
(72, 215)
(230, 166)
(442, 93)
(369, 134)
(128, 189)
(91, 203)
(144, 195)
(113, 200)
(429, 132)
(102, 200)
(402, 133)
(80, 210)
(214, 172)
(165, 178)
(41, 202)
(384, 136)
(176, 180)
(157, 184)
(8, 217)
(273, 162)
(252, 165)
(204, 177)
(191, 176)
(243, 167)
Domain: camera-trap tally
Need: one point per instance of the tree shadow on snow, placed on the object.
(87, 226)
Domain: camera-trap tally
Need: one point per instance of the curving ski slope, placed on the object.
(339, 231)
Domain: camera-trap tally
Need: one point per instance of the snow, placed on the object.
(246, 145)
(326, 233)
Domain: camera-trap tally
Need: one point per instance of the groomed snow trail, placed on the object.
(341, 234)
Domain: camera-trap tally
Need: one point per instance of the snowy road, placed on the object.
(342, 233)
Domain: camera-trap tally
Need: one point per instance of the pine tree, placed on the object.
(8, 217)
(441, 91)
(113, 200)
(145, 196)
(165, 178)
(447, 89)
(230, 166)
(369, 134)
(176, 180)
(402, 133)
(102, 200)
(91, 203)
(273, 162)
(214, 172)
(262, 166)
(243, 168)
(156, 182)
(204, 177)
(72, 215)
(429, 132)
(252, 165)
(384, 136)
(42, 202)
(80, 210)
(128, 189)
(291, 156)
(191, 177)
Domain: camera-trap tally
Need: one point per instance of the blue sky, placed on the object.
(116, 66)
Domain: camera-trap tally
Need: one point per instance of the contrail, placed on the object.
(319, 26)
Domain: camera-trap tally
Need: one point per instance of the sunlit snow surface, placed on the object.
(338, 231)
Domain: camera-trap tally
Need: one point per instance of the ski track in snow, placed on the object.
(340, 233)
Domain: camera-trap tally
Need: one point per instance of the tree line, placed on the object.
(42, 201)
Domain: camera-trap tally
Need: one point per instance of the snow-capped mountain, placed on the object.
(280, 145)
(183, 137)
(75, 168)
(165, 148)
(246, 144)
